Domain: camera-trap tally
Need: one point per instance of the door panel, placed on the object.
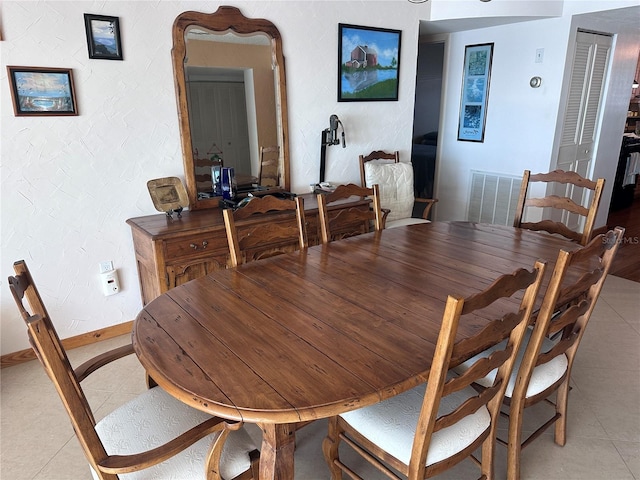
(579, 132)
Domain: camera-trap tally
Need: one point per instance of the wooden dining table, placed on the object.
(322, 331)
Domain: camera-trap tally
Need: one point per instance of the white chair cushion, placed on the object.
(391, 424)
(395, 181)
(154, 418)
(543, 375)
(404, 222)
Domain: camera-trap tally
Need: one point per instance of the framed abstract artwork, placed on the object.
(368, 63)
(40, 91)
(475, 92)
(103, 37)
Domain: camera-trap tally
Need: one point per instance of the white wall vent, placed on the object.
(493, 197)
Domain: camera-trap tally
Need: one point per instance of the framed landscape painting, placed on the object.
(37, 91)
(368, 63)
(475, 92)
(103, 37)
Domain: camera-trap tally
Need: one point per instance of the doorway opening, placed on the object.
(426, 118)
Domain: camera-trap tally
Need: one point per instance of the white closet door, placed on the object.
(590, 64)
(219, 116)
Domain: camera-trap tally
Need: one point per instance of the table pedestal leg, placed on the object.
(276, 454)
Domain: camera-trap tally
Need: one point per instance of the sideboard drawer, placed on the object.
(196, 246)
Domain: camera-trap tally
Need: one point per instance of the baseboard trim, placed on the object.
(70, 343)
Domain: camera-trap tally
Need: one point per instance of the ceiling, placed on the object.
(624, 19)
(463, 24)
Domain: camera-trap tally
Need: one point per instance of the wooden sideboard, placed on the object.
(171, 251)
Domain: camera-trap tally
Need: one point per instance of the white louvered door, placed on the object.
(590, 65)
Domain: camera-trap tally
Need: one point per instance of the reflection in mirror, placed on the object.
(230, 86)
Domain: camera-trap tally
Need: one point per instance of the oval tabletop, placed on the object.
(318, 332)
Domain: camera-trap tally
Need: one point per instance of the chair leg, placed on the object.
(562, 401)
(254, 456)
(151, 383)
(488, 454)
(514, 447)
(330, 448)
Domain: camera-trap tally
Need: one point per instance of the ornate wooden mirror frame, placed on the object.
(226, 19)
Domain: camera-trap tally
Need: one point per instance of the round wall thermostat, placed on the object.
(535, 82)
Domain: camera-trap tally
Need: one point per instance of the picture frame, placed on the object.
(42, 91)
(475, 92)
(103, 37)
(368, 63)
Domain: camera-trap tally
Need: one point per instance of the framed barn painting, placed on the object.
(39, 91)
(475, 92)
(368, 63)
(103, 37)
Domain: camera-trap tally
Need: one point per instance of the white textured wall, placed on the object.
(522, 122)
(69, 183)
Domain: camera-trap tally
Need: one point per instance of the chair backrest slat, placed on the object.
(490, 304)
(250, 237)
(346, 222)
(568, 304)
(393, 157)
(556, 203)
(269, 175)
(51, 354)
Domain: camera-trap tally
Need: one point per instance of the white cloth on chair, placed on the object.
(395, 181)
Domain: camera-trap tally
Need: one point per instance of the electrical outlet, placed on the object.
(106, 266)
(110, 282)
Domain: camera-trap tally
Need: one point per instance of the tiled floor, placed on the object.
(603, 433)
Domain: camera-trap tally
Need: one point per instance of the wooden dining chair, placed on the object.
(566, 211)
(543, 366)
(348, 222)
(152, 436)
(427, 430)
(395, 181)
(203, 173)
(251, 238)
(269, 175)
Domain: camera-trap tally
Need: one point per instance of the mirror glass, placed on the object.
(229, 74)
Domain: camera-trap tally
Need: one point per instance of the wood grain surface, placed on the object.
(314, 333)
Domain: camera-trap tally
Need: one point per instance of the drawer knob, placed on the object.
(195, 247)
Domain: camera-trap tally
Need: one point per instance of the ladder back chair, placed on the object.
(427, 430)
(203, 173)
(269, 175)
(348, 222)
(547, 354)
(566, 210)
(395, 180)
(152, 436)
(250, 239)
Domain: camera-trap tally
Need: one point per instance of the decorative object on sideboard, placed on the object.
(168, 195)
(103, 37)
(40, 92)
(330, 137)
(366, 73)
